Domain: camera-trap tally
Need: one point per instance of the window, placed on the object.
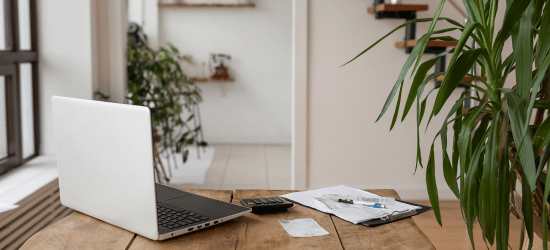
(19, 128)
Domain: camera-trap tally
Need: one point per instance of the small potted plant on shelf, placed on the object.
(155, 80)
(505, 137)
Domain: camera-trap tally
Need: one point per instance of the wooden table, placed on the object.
(79, 231)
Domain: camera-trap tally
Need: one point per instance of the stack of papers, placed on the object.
(350, 212)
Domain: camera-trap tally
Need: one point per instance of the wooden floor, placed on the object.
(247, 166)
(453, 234)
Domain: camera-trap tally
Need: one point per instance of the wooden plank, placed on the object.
(191, 5)
(27, 218)
(398, 7)
(65, 212)
(29, 202)
(432, 43)
(248, 232)
(79, 231)
(402, 234)
(265, 232)
(36, 227)
(222, 236)
(21, 228)
(465, 79)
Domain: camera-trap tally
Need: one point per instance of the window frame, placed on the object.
(10, 61)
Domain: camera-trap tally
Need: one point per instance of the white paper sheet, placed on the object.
(6, 207)
(303, 227)
(307, 198)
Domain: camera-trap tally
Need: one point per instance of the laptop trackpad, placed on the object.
(165, 193)
(204, 205)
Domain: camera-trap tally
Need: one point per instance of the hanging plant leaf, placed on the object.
(185, 155)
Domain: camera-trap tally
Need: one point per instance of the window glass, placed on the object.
(24, 24)
(3, 120)
(27, 118)
(4, 26)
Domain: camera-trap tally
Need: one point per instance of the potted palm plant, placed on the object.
(502, 139)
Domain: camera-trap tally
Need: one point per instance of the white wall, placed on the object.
(256, 108)
(346, 146)
(80, 51)
(65, 57)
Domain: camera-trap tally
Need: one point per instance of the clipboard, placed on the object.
(392, 218)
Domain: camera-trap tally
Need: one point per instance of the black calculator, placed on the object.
(266, 205)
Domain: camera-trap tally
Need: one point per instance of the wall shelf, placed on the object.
(210, 80)
(398, 8)
(222, 82)
(465, 79)
(200, 5)
(432, 43)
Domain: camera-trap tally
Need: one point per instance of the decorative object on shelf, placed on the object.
(155, 80)
(221, 72)
(203, 70)
(496, 142)
(396, 2)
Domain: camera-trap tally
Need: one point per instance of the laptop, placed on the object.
(105, 164)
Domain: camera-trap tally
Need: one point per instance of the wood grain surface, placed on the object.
(402, 234)
(79, 231)
(265, 232)
(252, 231)
(223, 236)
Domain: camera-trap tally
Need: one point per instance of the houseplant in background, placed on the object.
(505, 137)
(155, 80)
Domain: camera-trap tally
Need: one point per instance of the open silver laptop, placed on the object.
(105, 163)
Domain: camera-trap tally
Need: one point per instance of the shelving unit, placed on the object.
(222, 82)
(381, 10)
(431, 44)
(397, 8)
(201, 5)
(465, 79)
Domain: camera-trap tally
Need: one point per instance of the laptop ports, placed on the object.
(207, 224)
(215, 222)
(199, 227)
(190, 229)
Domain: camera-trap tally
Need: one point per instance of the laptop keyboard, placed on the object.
(173, 219)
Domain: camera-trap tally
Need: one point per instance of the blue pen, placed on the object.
(376, 205)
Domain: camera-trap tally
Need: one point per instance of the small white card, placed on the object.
(303, 227)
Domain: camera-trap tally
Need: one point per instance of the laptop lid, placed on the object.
(105, 162)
